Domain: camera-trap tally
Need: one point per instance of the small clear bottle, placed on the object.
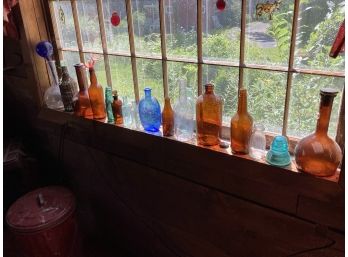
(257, 144)
(126, 112)
(184, 111)
(135, 115)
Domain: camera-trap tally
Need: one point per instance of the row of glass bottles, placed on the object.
(316, 154)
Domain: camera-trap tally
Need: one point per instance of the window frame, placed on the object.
(290, 70)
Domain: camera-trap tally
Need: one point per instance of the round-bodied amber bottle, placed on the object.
(117, 109)
(96, 96)
(317, 153)
(167, 118)
(82, 106)
(208, 117)
(241, 125)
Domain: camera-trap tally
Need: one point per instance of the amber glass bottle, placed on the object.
(167, 118)
(82, 106)
(117, 109)
(317, 153)
(208, 117)
(241, 125)
(96, 96)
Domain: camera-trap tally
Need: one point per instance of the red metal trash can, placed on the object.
(43, 222)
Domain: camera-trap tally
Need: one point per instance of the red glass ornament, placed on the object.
(115, 19)
(220, 5)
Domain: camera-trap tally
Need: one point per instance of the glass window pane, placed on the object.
(65, 24)
(221, 31)
(268, 41)
(178, 71)
(71, 58)
(319, 22)
(116, 37)
(146, 25)
(225, 80)
(150, 75)
(181, 29)
(121, 75)
(304, 103)
(89, 24)
(266, 97)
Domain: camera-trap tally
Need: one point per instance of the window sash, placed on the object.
(290, 69)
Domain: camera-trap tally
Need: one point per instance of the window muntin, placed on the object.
(248, 65)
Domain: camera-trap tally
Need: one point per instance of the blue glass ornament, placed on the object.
(44, 49)
(278, 155)
(150, 112)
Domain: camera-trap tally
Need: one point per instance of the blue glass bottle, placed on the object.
(150, 112)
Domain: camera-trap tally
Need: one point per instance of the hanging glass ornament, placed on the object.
(220, 5)
(61, 15)
(115, 19)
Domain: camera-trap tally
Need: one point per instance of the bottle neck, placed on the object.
(167, 102)
(242, 101)
(93, 77)
(81, 76)
(53, 69)
(147, 93)
(182, 90)
(65, 73)
(209, 89)
(324, 114)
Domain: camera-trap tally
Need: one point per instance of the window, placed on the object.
(283, 61)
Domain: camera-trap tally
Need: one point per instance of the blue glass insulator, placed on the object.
(278, 155)
(150, 112)
(44, 49)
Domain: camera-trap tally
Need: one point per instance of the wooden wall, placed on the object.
(158, 197)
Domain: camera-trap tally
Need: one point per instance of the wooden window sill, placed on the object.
(283, 189)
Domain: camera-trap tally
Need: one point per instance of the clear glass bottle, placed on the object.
(167, 118)
(52, 96)
(68, 89)
(241, 125)
(257, 145)
(208, 117)
(135, 115)
(317, 153)
(126, 112)
(184, 111)
(117, 109)
(82, 106)
(96, 96)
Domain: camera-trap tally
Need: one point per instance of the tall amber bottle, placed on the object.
(96, 96)
(167, 118)
(117, 108)
(241, 125)
(208, 117)
(317, 153)
(82, 106)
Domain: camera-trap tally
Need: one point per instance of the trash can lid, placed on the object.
(41, 209)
